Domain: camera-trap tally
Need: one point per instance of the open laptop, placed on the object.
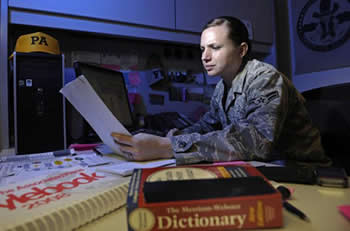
(110, 87)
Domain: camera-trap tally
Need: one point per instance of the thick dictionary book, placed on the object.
(202, 197)
(61, 200)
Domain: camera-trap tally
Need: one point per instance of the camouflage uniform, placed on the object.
(264, 118)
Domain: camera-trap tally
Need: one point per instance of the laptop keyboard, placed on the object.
(149, 131)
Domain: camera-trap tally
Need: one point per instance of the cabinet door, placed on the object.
(155, 13)
(191, 15)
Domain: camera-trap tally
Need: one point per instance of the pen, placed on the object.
(8, 175)
(65, 152)
(97, 151)
(289, 207)
(98, 164)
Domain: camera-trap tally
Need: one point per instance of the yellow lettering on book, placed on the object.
(226, 206)
(224, 172)
(175, 222)
(260, 213)
(186, 209)
(251, 215)
(172, 210)
(141, 219)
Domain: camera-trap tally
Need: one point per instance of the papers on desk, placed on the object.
(120, 166)
(83, 97)
(126, 168)
(14, 165)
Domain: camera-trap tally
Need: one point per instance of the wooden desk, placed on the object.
(318, 203)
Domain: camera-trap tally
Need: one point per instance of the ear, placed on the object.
(243, 49)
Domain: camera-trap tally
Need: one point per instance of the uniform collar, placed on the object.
(238, 82)
(236, 87)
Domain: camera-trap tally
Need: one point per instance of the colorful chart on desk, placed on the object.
(84, 160)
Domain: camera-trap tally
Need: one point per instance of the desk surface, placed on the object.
(318, 203)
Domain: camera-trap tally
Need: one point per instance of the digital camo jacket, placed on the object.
(264, 118)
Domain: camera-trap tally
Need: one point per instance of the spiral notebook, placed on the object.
(60, 200)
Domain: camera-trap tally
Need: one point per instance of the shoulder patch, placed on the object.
(265, 99)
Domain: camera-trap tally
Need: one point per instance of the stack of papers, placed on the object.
(126, 168)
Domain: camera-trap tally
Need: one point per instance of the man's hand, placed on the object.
(144, 146)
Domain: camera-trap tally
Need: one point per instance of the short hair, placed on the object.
(238, 32)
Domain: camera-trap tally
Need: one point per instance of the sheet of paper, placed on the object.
(83, 97)
(126, 168)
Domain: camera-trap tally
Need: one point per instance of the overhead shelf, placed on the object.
(163, 20)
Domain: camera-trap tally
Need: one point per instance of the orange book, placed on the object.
(202, 197)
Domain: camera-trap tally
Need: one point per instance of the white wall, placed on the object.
(313, 80)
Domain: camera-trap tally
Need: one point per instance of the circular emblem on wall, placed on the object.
(324, 25)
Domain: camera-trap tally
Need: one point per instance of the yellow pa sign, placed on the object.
(37, 42)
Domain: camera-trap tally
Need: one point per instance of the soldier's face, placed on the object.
(220, 57)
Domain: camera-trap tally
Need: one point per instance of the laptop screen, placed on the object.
(110, 86)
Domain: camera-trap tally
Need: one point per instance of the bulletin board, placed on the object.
(321, 34)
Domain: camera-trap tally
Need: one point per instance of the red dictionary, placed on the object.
(202, 197)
